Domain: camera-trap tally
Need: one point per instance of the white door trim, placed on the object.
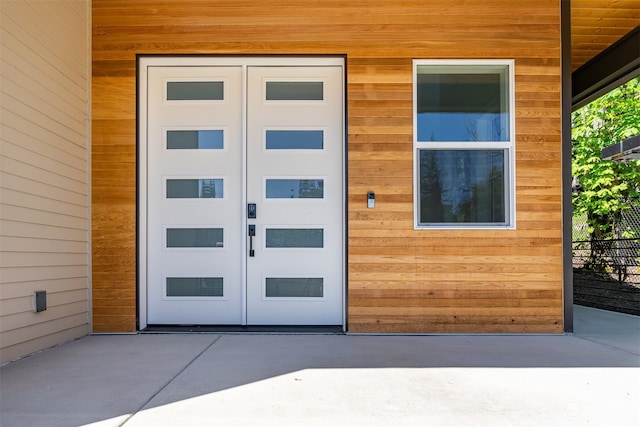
(144, 62)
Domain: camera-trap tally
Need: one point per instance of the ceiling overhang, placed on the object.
(612, 67)
(604, 46)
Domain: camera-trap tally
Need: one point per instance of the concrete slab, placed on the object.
(401, 380)
(96, 378)
(617, 330)
(589, 378)
(411, 397)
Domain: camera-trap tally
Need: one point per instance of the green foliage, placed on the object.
(608, 187)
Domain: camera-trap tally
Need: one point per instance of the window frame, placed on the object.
(509, 146)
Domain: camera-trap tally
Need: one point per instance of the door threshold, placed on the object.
(259, 329)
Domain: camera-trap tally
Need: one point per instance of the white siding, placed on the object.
(44, 172)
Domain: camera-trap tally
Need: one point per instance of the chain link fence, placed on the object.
(607, 271)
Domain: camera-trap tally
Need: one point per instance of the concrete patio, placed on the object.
(589, 378)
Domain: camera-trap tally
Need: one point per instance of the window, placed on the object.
(294, 91)
(195, 91)
(464, 141)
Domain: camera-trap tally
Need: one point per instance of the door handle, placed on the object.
(252, 233)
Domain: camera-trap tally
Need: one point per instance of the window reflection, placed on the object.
(195, 139)
(195, 189)
(302, 287)
(460, 104)
(462, 186)
(295, 188)
(294, 237)
(195, 287)
(195, 238)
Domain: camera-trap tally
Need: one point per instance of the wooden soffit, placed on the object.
(605, 46)
(598, 24)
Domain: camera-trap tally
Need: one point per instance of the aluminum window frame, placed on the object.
(509, 146)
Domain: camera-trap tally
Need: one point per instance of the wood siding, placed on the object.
(44, 181)
(399, 279)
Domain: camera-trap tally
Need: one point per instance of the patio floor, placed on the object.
(591, 377)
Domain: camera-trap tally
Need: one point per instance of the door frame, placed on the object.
(143, 63)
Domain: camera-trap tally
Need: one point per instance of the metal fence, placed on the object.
(618, 257)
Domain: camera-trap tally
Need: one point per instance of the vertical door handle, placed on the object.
(252, 233)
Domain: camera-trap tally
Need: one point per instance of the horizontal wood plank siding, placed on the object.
(44, 176)
(399, 279)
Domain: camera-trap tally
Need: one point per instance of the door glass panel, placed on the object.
(295, 91)
(295, 189)
(294, 237)
(195, 139)
(299, 287)
(195, 91)
(194, 287)
(195, 237)
(295, 139)
(194, 189)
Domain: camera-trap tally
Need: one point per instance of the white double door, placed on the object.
(244, 195)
